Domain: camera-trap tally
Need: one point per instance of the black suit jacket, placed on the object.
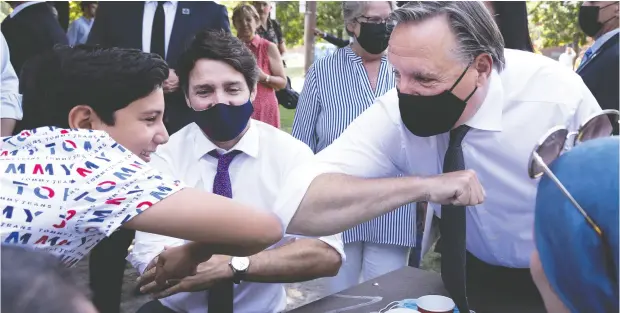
(119, 24)
(31, 32)
(600, 73)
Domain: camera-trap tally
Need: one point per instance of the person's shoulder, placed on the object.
(327, 62)
(536, 78)
(178, 142)
(278, 141)
(206, 6)
(43, 140)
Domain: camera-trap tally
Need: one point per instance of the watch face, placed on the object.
(240, 263)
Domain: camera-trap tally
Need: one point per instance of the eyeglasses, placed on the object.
(559, 140)
(375, 20)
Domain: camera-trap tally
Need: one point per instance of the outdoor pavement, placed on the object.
(298, 293)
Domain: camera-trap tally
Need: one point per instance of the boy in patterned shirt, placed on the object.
(66, 186)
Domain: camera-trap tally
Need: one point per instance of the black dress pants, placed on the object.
(107, 269)
(491, 287)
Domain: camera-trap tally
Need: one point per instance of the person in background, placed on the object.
(30, 29)
(269, 28)
(96, 178)
(37, 282)
(79, 29)
(271, 70)
(218, 74)
(511, 18)
(10, 99)
(165, 28)
(567, 58)
(338, 88)
(599, 66)
(458, 112)
(162, 27)
(575, 268)
(338, 42)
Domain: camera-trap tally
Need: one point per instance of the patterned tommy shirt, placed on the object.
(64, 190)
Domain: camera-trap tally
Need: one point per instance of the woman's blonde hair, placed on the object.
(243, 10)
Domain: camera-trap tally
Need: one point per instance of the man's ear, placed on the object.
(484, 65)
(83, 116)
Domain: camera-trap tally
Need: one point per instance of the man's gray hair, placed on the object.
(351, 10)
(470, 21)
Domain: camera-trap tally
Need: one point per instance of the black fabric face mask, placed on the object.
(588, 19)
(374, 37)
(426, 116)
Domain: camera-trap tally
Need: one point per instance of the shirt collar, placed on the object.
(23, 6)
(351, 55)
(489, 115)
(249, 143)
(601, 40)
(255, 41)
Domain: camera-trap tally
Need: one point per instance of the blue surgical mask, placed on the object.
(223, 122)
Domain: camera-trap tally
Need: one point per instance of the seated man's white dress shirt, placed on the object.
(257, 176)
(531, 95)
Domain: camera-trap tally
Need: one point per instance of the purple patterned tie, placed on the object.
(220, 298)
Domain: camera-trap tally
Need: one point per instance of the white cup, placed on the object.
(435, 304)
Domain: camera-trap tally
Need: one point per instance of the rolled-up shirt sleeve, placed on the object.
(147, 246)
(10, 99)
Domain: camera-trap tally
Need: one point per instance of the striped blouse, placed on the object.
(335, 92)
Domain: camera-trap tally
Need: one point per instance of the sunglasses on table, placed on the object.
(559, 140)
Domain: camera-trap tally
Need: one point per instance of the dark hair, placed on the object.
(511, 18)
(106, 79)
(85, 4)
(218, 46)
(37, 282)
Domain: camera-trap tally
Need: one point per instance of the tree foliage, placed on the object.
(75, 11)
(329, 18)
(292, 22)
(556, 23)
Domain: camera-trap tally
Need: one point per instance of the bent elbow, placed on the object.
(332, 261)
(271, 233)
(274, 233)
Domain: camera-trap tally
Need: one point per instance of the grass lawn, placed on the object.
(286, 119)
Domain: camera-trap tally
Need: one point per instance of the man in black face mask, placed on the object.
(461, 124)
(599, 66)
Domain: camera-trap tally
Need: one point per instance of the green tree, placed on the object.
(555, 23)
(75, 11)
(329, 18)
(292, 22)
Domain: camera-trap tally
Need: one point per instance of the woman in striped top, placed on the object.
(337, 89)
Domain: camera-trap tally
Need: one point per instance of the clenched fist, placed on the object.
(460, 188)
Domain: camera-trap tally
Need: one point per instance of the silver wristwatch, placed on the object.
(239, 266)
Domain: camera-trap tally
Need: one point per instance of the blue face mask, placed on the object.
(223, 122)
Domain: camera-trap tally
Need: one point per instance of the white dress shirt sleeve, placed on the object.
(10, 99)
(371, 147)
(335, 241)
(586, 108)
(147, 246)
